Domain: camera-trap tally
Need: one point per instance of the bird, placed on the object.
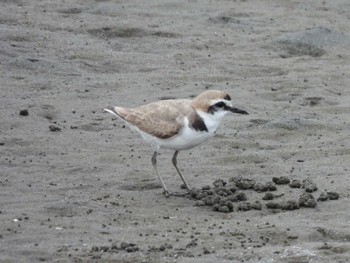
(177, 124)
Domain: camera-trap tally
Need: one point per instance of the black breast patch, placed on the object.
(199, 124)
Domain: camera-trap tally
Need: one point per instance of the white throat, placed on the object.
(212, 121)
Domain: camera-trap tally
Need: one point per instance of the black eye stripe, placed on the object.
(220, 104)
(227, 97)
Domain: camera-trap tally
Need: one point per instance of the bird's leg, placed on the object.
(178, 171)
(154, 163)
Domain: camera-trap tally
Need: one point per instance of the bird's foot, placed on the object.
(186, 186)
(166, 193)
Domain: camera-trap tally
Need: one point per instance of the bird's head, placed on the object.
(216, 103)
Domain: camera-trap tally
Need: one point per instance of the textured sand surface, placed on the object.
(76, 185)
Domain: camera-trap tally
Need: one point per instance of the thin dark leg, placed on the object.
(178, 171)
(154, 163)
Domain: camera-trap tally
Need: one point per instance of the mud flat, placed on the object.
(77, 186)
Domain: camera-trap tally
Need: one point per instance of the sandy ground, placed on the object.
(77, 186)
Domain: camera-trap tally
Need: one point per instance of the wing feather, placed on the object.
(162, 119)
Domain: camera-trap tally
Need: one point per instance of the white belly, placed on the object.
(187, 137)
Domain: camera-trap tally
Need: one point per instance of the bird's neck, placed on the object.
(212, 121)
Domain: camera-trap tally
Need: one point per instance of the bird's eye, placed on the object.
(220, 104)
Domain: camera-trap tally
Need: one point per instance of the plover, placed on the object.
(178, 124)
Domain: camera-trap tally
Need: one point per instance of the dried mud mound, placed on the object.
(240, 194)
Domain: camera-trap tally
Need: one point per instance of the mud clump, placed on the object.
(295, 184)
(54, 128)
(281, 180)
(224, 192)
(256, 205)
(289, 205)
(223, 206)
(219, 183)
(220, 197)
(325, 196)
(246, 206)
(273, 205)
(211, 200)
(243, 183)
(283, 205)
(260, 187)
(268, 196)
(207, 187)
(223, 209)
(309, 185)
(240, 194)
(307, 200)
(333, 195)
(128, 247)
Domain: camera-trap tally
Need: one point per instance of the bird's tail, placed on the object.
(118, 111)
(111, 110)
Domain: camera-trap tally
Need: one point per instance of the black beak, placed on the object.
(236, 110)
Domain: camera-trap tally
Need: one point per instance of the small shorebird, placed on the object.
(177, 124)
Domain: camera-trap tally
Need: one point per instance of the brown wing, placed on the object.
(162, 119)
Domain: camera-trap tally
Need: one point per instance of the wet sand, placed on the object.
(77, 186)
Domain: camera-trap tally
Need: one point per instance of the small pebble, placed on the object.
(206, 251)
(24, 112)
(54, 128)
